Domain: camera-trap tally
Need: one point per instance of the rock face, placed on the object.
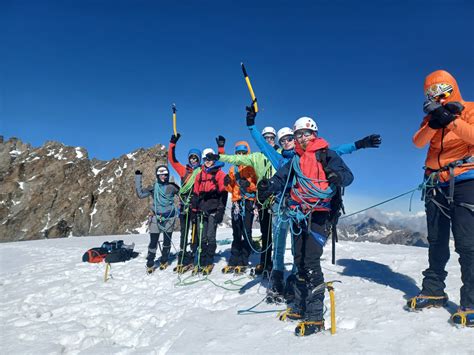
(371, 230)
(54, 191)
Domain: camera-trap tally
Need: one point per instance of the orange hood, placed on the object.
(442, 76)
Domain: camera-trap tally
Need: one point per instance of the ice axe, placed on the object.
(173, 107)
(249, 85)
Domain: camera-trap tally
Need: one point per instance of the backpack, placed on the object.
(95, 255)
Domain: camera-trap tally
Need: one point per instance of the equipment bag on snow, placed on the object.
(95, 255)
(110, 252)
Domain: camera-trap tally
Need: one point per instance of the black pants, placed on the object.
(152, 247)
(242, 234)
(462, 226)
(309, 285)
(186, 222)
(266, 229)
(205, 247)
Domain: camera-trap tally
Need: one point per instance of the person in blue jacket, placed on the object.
(278, 158)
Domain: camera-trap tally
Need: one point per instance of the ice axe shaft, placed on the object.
(249, 85)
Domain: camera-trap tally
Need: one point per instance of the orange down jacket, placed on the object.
(453, 143)
(245, 173)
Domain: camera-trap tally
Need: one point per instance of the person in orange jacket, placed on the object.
(448, 128)
(241, 182)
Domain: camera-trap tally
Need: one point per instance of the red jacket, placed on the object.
(312, 169)
(209, 190)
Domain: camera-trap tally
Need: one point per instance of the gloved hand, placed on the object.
(245, 184)
(430, 106)
(220, 140)
(454, 107)
(219, 216)
(333, 177)
(372, 141)
(212, 156)
(227, 180)
(138, 172)
(251, 114)
(175, 138)
(263, 190)
(440, 118)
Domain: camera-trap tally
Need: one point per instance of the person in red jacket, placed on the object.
(209, 201)
(187, 173)
(448, 127)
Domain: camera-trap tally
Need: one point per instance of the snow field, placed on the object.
(51, 302)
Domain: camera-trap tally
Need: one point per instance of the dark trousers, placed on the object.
(205, 247)
(461, 222)
(186, 222)
(309, 285)
(152, 248)
(242, 234)
(266, 229)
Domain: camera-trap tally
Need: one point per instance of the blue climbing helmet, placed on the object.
(197, 153)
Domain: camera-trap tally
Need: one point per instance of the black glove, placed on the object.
(251, 114)
(226, 180)
(333, 177)
(244, 184)
(138, 172)
(263, 190)
(219, 216)
(175, 138)
(220, 140)
(372, 141)
(212, 156)
(440, 118)
(454, 107)
(430, 106)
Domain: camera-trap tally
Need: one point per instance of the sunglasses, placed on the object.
(240, 152)
(269, 137)
(193, 157)
(305, 132)
(287, 139)
(207, 159)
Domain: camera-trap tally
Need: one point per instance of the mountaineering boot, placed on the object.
(228, 269)
(307, 328)
(150, 270)
(239, 270)
(421, 302)
(290, 313)
(196, 270)
(178, 268)
(163, 266)
(208, 269)
(464, 316)
(275, 292)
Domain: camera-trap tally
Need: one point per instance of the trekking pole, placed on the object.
(173, 107)
(249, 85)
(106, 274)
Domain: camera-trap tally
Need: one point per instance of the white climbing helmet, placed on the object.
(268, 130)
(162, 170)
(285, 131)
(206, 152)
(305, 123)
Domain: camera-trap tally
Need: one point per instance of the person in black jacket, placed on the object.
(317, 172)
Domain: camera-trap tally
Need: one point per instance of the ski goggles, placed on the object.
(286, 139)
(303, 132)
(439, 91)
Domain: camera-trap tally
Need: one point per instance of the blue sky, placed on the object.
(103, 74)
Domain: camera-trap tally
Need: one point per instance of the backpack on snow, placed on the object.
(95, 255)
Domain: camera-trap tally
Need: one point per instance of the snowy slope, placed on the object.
(52, 303)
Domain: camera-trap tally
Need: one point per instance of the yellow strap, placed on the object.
(413, 300)
(302, 327)
(462, 315)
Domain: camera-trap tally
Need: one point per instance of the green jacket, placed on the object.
(258, 161)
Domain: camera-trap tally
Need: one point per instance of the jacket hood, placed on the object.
(197, 152)
(442, 76)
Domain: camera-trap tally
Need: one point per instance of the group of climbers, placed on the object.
(295, 185)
